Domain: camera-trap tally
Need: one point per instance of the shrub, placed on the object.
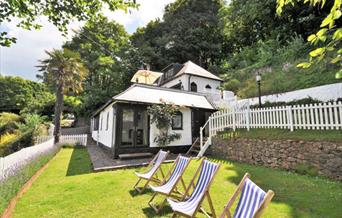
(7, 138)
(22, 141)
(8, 117)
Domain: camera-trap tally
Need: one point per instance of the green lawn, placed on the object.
(286, 134)
(68, 188)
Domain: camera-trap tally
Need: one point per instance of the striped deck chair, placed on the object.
(253, 200)
(151, 175)
(169, 185)
(190, 205)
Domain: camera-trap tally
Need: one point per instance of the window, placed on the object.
(107, 120)
(208, 86)
(101, 121)
(96, 123)
(193, 87)
(177, 121)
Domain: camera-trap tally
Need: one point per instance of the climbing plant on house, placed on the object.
(161, 115)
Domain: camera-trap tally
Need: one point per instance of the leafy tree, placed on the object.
(106, 51)
(20, 95)
(246, 22)
(329, 35)
(189, 31)
(64, 71)
(60, 13)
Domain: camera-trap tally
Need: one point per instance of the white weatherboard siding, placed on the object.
(200, 82)
(183, 79)
(203, 82)
(105, 134)
(185, 133)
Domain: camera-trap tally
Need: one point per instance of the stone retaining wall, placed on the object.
(325, 157)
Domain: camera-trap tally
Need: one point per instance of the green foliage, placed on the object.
(244, 23)
(25, 96)
(21, 140)
(63, 68)
(6, 118)
(162, 114)
(64, 71)
(7, 137)
(277, 65)
(189, 31)
(26, 14)
(328, 37)
(32, 122)
(106, 51)
(20, 132)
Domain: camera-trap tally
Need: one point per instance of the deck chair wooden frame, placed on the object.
(154, 176)
(206, 195)
(158, 208)
(267, 199)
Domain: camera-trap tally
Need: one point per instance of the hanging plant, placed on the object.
(162, 115)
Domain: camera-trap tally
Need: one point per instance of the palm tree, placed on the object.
(64, 71)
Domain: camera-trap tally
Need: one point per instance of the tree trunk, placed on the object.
(58, 111)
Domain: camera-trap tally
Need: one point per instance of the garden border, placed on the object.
(11, 205)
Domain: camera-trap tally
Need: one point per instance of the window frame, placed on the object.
(107, 121)
(101, 122)
(193, 84)
(181, 123)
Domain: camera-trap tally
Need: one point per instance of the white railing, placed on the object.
(322, 116)
(41, 139)
(74, 139)
(11, 164)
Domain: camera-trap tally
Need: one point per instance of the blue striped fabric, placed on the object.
(157, 163)
(189, 206)
(178, 170)
(250, 200)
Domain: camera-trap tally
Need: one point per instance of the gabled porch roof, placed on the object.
(153, 95)
(147, 94)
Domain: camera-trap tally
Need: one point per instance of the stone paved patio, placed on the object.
(102, 161)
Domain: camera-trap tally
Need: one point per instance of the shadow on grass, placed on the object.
(299, 192)
(79, 162)
(149, 212)
(135, 193)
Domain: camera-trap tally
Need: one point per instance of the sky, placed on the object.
(21, 58)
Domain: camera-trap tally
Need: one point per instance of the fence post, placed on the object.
(247, 118)
(289, 117)
(2, 163)
(201, 137)
(233, 116)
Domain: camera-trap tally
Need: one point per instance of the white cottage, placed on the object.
(123, 125)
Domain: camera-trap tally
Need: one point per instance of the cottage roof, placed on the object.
(152, 95)
(194, 69)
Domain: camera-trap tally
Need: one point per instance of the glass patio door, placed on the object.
(134, 127)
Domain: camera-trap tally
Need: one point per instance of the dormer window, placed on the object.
(208, 86)
(193, 87)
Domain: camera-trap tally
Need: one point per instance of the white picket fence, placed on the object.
(12, 163)
(323, 116)
(74, 139)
